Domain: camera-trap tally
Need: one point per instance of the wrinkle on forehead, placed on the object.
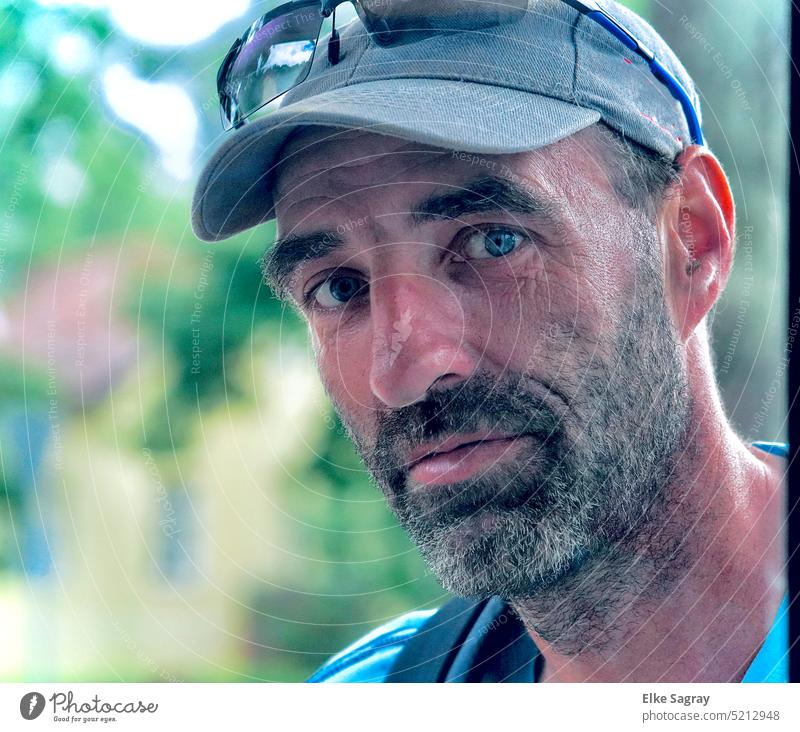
(323, 164)
(304, 155)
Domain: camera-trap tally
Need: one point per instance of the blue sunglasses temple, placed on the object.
(659, 70)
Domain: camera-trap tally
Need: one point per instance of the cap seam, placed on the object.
(457, 79)
(575, 22)
(357, 61)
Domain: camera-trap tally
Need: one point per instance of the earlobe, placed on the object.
(697, 223)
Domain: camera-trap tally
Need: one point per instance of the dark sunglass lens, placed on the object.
(275, 55)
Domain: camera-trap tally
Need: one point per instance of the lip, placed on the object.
(460, 457)
(429, 449)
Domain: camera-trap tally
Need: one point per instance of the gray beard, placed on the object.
(580, 520)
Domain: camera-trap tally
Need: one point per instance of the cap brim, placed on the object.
(234, 191)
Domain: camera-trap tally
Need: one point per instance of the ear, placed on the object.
(697, 226)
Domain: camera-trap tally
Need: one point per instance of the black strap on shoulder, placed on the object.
(469, 641)
(498, 649)
(429, 653)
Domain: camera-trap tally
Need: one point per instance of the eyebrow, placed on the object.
(486, 194)
(282, 260)
(489, 193)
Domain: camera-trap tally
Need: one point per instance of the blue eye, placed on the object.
(495, 242)
(337, 290)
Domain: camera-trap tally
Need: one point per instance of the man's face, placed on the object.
(493, 333)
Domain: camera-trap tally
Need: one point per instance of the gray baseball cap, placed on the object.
(507, 89)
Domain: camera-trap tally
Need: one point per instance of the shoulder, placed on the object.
(370, 658)
(773, 448)
(774, 457)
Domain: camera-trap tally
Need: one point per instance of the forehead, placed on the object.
(324, 162)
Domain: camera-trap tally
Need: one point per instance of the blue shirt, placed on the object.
(370, 659)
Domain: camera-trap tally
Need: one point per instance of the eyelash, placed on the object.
(461, 238)
(309, 299)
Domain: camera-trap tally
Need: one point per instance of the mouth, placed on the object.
(459, 457)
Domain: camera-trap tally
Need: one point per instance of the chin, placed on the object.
(499, 553)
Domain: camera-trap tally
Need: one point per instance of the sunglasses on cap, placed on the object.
(276, 52)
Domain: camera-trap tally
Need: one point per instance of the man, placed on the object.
(505, 240)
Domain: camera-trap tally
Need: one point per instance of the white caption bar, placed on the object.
(410, 708)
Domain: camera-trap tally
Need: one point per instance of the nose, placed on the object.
(418, 339)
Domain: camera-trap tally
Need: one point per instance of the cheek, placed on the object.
(548, 311)
(342, 361)
(513, 308)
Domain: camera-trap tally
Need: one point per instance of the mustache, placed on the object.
(514, 404)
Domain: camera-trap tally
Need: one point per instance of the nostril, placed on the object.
(445, 382)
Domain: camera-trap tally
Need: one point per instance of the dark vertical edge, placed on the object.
(793, 477)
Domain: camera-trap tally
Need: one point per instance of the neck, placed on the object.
(693, 595)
